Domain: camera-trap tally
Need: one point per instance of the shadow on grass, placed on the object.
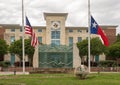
(89, 77)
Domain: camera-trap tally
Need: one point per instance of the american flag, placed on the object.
(29, 31)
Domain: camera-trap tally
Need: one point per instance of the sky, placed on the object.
(105, 12)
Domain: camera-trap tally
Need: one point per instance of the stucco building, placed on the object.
(58, 47)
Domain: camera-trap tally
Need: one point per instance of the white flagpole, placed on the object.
(89, 23)
(23, 48)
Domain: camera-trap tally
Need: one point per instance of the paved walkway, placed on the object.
(104, 72)
(14, 73)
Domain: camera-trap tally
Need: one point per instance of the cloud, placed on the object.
(105, 12)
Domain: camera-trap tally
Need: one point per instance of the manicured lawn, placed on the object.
(61, 79)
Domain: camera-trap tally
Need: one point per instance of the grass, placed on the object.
(61, 79)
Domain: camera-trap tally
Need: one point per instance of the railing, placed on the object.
(39, 70)
(105, 69)
(59, 70)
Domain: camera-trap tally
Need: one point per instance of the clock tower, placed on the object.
(55, 28)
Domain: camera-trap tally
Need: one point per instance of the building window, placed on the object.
(40, 39)
(79, 30)
(86, 38)
(55, 38)
(79, 39)
(55, 35)
(12, 39)
(39, 30)
(29, 37)
(96, 58)
(20, 37)
(12, 59)
(12, 30)
(70, 41)
(21, 29)
(87, 30)
(70, 30)
(55, 42)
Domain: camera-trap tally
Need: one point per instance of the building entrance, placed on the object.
(56, 57)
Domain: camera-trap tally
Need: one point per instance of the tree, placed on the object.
(16, 48)
(29, 50)
(96, 47)
(114, 50)
(118, 38)
(3, 47)
(83, 48)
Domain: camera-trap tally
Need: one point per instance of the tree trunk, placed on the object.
(30, 61)
(93, 60)
(1, 57)
(117, 59)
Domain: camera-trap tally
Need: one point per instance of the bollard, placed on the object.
(14, 72)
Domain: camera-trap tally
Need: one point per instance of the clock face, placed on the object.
(55, 24)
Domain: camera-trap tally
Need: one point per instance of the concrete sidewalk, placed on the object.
(14, 73)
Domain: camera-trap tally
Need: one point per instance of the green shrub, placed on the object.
(107, 63)
(5, 64)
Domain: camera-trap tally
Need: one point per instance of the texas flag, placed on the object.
(96, 29)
